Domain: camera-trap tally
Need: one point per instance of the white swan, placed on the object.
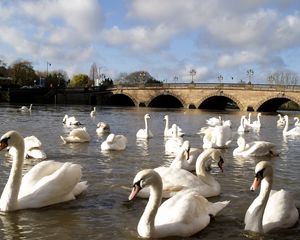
(293, 131)
(93, 112)
(77, 135)
(217, 137)
(213, 121)
(173, 144)
(297, 123)
(47, 183)
(177, 179)
(271, 209)
(186, 157)
(255, 148)
(33, 148)
(280, 121)
(145, 133)
(26, 109)
(70, 121)
(102, 128)
(182, 215)
(243, 127)
(255, 125)
(114, 142)
(168, 131)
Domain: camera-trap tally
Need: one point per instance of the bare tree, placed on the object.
(283, 78)
(93, 73)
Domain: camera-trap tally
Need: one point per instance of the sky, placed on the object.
(166, 38)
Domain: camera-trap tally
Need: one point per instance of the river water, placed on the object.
(103, 211)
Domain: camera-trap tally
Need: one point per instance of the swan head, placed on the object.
(262, 169)
(217, 156)
(147, 116)
(144, 178)
(166, 117)
(11, 139)
(186, 148)
(65, 118)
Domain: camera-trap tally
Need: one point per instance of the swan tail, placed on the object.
(216, 207)
(80, 187)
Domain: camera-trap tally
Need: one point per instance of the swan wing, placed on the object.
(32, 142)
(54, 188)
(190, 214)
(280, 211)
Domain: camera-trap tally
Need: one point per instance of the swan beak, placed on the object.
(187, 154)
(255, 184)
(220, 164)
(136, 188)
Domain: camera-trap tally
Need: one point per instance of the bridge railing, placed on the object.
(247, 86)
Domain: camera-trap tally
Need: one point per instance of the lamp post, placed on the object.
(175, 79)
(220, 78)
(250, 74)
(48, 64)
(193, 73)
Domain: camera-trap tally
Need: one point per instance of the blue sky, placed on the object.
(167, 38)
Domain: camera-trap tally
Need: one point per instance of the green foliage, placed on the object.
(22, 73)
(56, 79)
(80, 80)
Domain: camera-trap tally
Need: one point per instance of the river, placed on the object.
(103, 211)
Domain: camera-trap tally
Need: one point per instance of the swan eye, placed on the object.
(260, 174)
(4, 143)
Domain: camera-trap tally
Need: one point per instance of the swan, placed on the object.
(297, 123)
(214, 121)
(70, 121)
(26, 109)
(186, 157)
(102, 128)
(182, 215)
(168, 131)
(243, 127)
(280, 121)
(47, 183)
(78, 135)
(271, 209)
(145, 133)
(294, 131)
(177, 179)
(33, 148)
(114, 142)
(254, 149)
(217, 137)
(93, 113)
(173, 144)
(255, 125)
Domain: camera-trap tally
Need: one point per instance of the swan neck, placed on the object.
(146, 125)
(146, 226)
(285, 129)
(167, 124)
(255, 223)
(200, 163)
(9, 197)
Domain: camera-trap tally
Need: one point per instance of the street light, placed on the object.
(220, 78)
(193, 73)
(250, 74)
(175, 79)
(48, 64)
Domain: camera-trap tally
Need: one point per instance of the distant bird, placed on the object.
(26, 109)
(93, 113)
(70, 121)
(114, 142)
(146, 132)
(102, 128)
(77, 135)
(168, 132)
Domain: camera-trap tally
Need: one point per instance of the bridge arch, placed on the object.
(273, 103)
(167, 100)
(219, 101)
(121, 99)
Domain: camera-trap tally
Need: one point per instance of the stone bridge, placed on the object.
(244, 97)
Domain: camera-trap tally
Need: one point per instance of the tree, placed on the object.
(3, 69)
(283, 78)
(250, 74)
(22, 73)
(80, 80)
(193, 73)
(139, 77)
(57, 79)
(94, 73)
